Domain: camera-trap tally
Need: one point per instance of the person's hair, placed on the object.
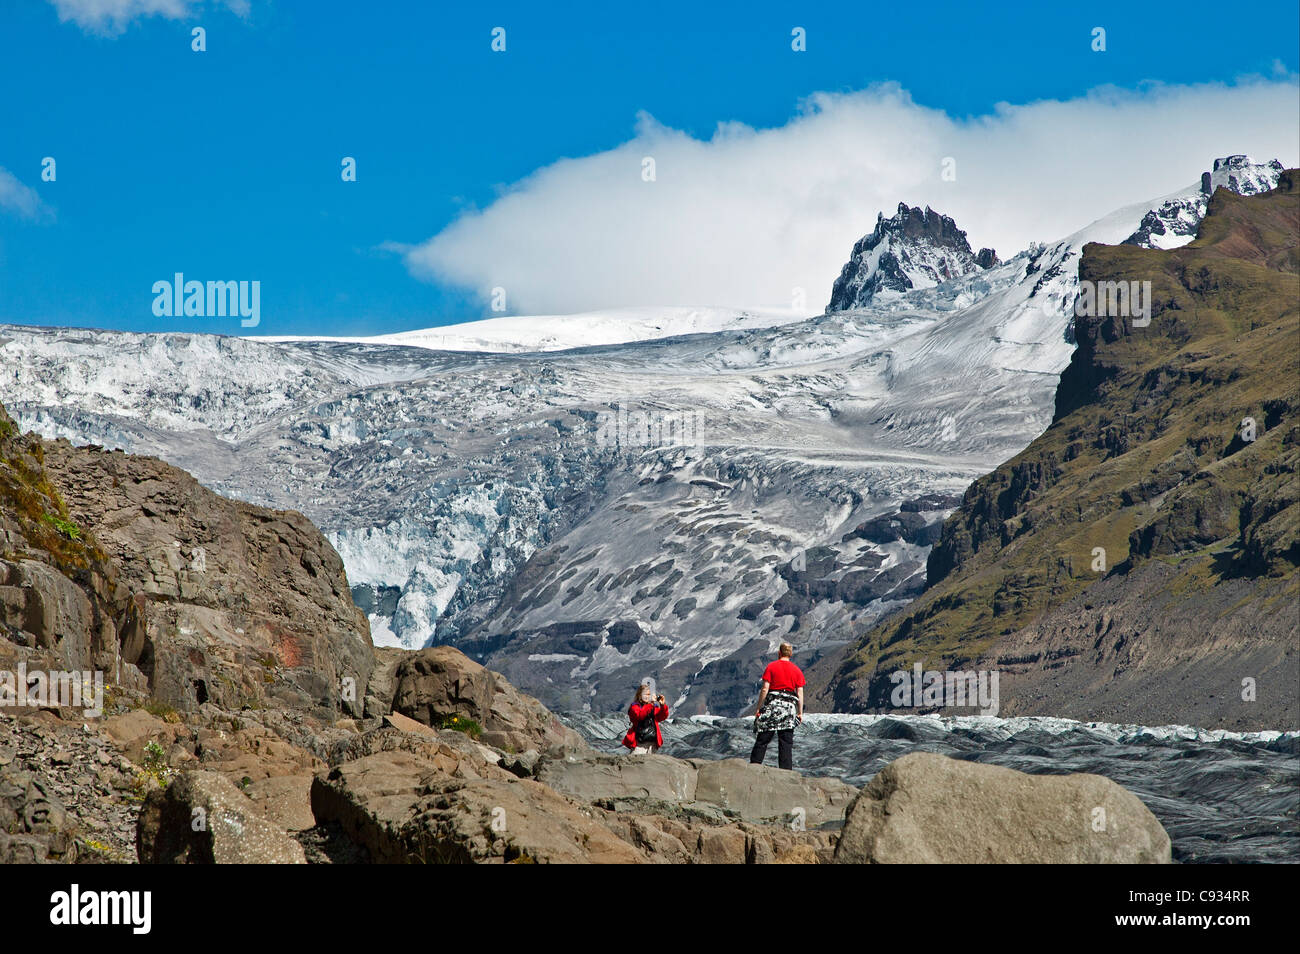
(636, 697)
(786, 651)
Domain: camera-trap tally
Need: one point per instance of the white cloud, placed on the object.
(747, 215)
(19, 199)
(111, 17)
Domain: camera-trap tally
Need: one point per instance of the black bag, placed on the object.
(645, 731)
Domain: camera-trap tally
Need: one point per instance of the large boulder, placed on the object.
(732, 788)
(434, 806)
(284, 800)
(435, 684)
(201, 818)
(763, 793)
(928, 808)
(592, 777)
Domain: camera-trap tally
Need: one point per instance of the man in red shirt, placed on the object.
(780, 709)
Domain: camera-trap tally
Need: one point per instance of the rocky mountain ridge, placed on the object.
(1139, 562)
(1176, 220)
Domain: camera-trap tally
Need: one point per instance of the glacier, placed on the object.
(461, 473)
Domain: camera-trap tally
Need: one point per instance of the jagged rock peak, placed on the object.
(916, 248)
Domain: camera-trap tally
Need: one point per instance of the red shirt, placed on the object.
(783, 674)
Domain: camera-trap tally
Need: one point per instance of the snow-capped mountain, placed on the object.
(914, 249)
(1175, 221)
(670, 505)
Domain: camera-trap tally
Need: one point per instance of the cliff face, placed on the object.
(1140, 561)
(127, 565)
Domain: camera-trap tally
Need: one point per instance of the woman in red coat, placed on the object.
(644, 738)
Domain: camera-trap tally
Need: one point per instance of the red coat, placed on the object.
(639, 712)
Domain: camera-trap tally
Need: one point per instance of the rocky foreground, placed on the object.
(246, 718)
(396, 790)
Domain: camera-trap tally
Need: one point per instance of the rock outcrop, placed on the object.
(201, 818)
(128, 566)
(416, 795)
(1177, 220)
(436, 806)
(930, 809)
(441, 683)
(231, 603)
(680, 838)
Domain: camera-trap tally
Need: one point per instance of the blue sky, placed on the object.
(225, 164)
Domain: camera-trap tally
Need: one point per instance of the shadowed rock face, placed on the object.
(930, 809)
(129, 566)
(232, 830)
(1139, 561)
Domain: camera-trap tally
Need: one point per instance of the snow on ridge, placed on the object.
(540, 333)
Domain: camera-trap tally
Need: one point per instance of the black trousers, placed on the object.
(784, 747)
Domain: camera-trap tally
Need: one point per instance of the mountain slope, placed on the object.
(1145, 459)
